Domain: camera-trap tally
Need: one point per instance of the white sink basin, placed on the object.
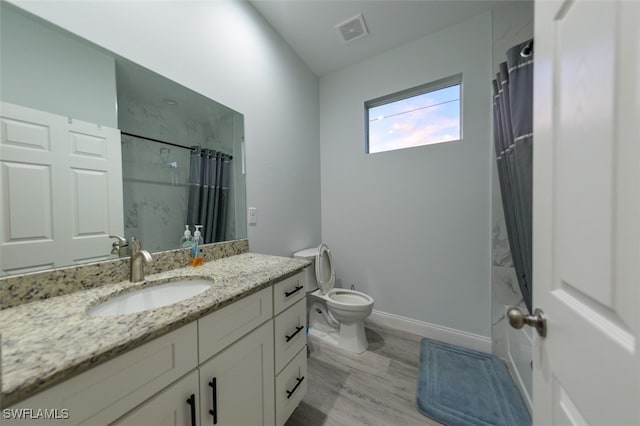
(150, 298)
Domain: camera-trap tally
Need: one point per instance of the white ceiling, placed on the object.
(309, 25)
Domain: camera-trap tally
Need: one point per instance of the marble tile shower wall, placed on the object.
(155, 176)
(19, 289)
(155, 179)
(504, 283)
(512, 24)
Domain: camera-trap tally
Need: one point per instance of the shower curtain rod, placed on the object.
(163, 142)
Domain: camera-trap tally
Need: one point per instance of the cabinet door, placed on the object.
(237, 385)
(171, 407)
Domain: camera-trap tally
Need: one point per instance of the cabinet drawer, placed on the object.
(290, 333)
(221, 328)
(106, 392)
(288, 292)
(291, 386)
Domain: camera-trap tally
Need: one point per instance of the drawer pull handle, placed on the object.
(214, 401)
(294, 291)
(192, 403)
(298, 330)
(292, 391)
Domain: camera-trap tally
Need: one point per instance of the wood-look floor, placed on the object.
(377, 387)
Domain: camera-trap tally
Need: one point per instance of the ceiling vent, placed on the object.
(352, 29)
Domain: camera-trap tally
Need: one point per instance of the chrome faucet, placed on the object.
(138, 258)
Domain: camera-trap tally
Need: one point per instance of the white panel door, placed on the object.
(61, 190)
(586, 250)
(30, 210)
(95, 189)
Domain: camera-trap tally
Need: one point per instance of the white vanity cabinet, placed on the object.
(227, 368)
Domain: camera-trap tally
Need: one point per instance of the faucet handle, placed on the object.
(120, 246)
(135, 245)
(121, 241)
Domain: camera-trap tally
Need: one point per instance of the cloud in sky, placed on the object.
(422, 120)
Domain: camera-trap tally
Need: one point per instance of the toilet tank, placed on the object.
(310, 271)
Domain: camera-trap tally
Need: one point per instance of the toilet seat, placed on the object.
(344, 298)
(325, 274)
(348, 300)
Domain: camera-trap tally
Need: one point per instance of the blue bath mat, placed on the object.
(462, 387)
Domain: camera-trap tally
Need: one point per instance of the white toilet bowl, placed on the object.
(349, 306)
(336, 315)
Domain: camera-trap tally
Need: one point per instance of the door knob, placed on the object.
(517, 320)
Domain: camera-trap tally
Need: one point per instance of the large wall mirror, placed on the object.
(95, 145)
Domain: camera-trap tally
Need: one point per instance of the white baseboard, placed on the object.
(433, 331)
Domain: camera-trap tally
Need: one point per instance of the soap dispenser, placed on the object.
(187, 240)
(197, 258)
(197, 236)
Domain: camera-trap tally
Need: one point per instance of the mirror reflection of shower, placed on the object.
(157, 186)
(160, 122)
(167, 162)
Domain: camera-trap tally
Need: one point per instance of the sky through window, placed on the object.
(424, 119)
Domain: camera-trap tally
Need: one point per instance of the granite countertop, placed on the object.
(49, 341)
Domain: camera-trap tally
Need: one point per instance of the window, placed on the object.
(423, 115)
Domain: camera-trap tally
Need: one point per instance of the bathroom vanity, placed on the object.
(234, 354)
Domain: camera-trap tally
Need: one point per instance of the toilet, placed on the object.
(335, 315)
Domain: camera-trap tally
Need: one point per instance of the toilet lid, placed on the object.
(325, 275)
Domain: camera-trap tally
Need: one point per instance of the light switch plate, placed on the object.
(253, 216)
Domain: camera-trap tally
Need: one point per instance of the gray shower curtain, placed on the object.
(513, 137)
(209, 193)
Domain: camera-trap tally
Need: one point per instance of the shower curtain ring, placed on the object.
(527, 50)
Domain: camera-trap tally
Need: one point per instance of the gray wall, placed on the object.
(45, 70)
(226, 51)
(412, 227)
